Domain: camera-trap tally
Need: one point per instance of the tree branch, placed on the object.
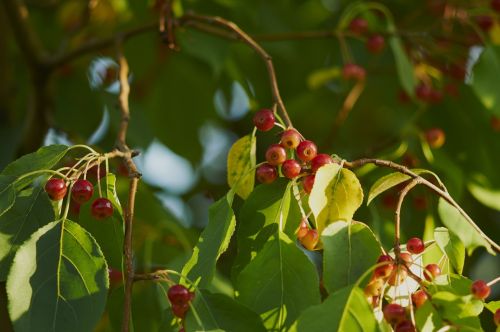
(397, 215)
(442, 193)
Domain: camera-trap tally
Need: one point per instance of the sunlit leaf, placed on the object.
(488, 197)
(484, 80)
(451, 245)
(241, 166)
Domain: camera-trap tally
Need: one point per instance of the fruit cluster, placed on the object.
(294, 157)
(180, 298)
(81, 192)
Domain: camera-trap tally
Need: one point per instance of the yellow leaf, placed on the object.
(241, 166)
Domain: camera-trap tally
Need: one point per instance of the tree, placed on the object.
(326, 119)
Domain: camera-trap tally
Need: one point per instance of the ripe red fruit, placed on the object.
(358, 26)
(82, 191)
(56, 189)
(266, 173)
(115, 276)
(102, 208)
(418, 298)
(375, 44)
(480, 289)
(290, 138)
(496, 318)
(435, 137)
(495, 5)
(275, 154)
(406, 259)
(308, 183)
(291, 168)
(485, 22)
(384, 271)
(404, 326)
(306, 150)
(374, 287)
(352, 71)
(310, 240)
(320, 160)
(431, 271)
(180, 310)
(264, 119)
(415, 245)
(394, 313)
(179, 294)
(423, 92)
(303, 229)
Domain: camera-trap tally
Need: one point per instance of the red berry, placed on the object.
(352, 71)
(180, 310)
(435, 137)
(290, 138)
(308, 183)
(306, 150)
(495, 123)
(385, 270)
(358, 26)
(480, 289)
(415, 245)
(406, 258)
(485, 22)
(178, 294)
(266, 173)
(375, 44)
(115, 276)
(418, 298)
(495, 5)
(275, 155)
(264, 119)
(496, 318)
(431, 271)
(56, 189)
(394, 313)
(423, 92)
(303, 229)
(291, 168)
(320, 160)
(102, 208)
(374, 287)
(82, 191)
(404, 326)
(310, 240)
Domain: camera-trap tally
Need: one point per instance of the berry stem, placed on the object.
(494, 281)
(68, 201)
(83, 146)
(42, 171)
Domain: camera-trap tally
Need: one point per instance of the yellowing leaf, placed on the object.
(241, 166)
(336, 195)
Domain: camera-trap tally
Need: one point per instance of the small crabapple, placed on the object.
(275, 154)
(307, 150)
(394, 313)
(56, 189)
(480, 289)
(415, 245)
(308, 183)
(266, 173)
(310, 240)
(264, 119)
(320, 160)
(102, 208)
(418, 298)
(82, 191)
(290, 138)
(431, 271)
(291, 168)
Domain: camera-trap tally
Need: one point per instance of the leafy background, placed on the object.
(188, 107)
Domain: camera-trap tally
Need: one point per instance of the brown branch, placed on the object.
(441, 192)
(397, 215)
(134, 180)
(244, 37)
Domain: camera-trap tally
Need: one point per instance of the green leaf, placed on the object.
(350, 249)
(279, 283)
(462, 310)
(458, 225)
(269, 207)
(403, 65)
(493, 306)
(391, 180)
(452, 247)
(488, 197)
(213, 241)
(109, 233)
(335, 196)
(484, 80)
(241, 166)
(44, 158)
(32, 210)
(427, 319)
(7, 193)
(58, 281)
(220, 312)
(344, 310)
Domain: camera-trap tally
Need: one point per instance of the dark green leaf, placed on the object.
(279, 283)
(7, 193)
(218, 311)
(350, 249)
(344, 310)
(32, 210)
(213, 241)
(58, 281)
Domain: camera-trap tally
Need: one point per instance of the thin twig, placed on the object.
(444, 194)
(397, 216)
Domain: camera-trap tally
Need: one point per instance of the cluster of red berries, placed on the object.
(180, 298)
(81, 193)
(281, 157)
